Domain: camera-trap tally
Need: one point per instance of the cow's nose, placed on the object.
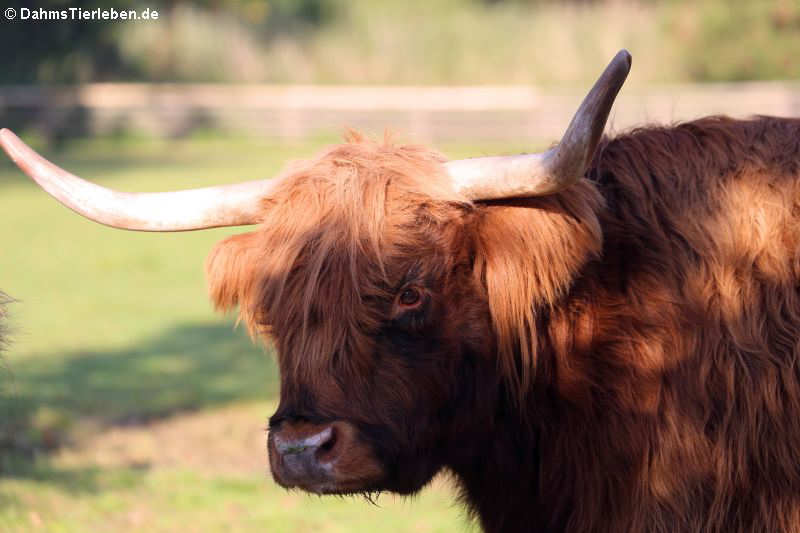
(305, 454)
(308, 445)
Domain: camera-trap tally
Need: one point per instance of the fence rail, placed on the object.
(423, 113)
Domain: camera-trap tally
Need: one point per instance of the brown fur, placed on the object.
(621, 356)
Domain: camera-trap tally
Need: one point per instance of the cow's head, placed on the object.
(397, 287)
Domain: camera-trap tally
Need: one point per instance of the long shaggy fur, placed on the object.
(327, 238)
(620, 357)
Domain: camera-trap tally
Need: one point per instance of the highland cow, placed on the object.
(604, 337)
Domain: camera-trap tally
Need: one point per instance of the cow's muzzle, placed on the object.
(322, 458)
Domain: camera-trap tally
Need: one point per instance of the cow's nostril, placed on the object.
(328, 445)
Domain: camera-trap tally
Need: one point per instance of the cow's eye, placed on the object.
(410, 297)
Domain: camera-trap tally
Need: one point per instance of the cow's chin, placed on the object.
(339, 488)
(349, 486)
(334, 482)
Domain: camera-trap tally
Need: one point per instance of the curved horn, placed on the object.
(494, 178)
(210, 207)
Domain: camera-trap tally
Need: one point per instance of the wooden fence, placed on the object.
(421, 113)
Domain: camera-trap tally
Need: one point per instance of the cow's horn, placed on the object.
(493, 178)
(210, 207)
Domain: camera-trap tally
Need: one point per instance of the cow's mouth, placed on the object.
(336, 488)
(323, 459)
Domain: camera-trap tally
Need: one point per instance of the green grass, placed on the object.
(467, 41)
(178, 500)
(125, 402)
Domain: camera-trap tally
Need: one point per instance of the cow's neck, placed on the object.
(502, 464)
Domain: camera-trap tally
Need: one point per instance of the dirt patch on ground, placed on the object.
(229, 440)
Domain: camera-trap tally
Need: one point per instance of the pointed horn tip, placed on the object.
(623, 59)
(7, 137)
(12, 145)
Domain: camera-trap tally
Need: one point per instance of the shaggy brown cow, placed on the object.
(619, 354)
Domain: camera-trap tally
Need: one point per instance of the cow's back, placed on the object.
(694, 309)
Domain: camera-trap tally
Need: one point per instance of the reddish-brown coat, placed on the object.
(621, 356)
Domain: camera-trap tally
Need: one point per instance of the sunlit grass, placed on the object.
(470, 41)
(180, 500)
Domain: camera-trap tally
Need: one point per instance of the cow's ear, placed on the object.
(527, 254)
(231, 270)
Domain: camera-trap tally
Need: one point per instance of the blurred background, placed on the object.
(126, 404)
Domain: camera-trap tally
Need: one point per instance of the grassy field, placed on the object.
(125, 403)
(463, 41)
(436, 42)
